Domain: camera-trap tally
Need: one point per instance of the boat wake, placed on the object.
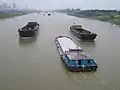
(81, 78)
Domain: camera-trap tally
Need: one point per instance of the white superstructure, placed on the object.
(67, 44)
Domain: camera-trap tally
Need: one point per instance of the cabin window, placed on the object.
(83, 62)
(81, 50)
(74, 49)
(79, 62)
(89, 62)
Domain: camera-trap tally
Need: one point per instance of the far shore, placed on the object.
(9, 15)
(111, 16)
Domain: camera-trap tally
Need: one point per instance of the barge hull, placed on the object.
(84, 37)
(27, 33)
(83, 34)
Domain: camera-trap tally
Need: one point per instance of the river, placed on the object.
(35, 64)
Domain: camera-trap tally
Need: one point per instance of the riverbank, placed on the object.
(112, 16)
(8, 15)
(13, 13)
(111, 19)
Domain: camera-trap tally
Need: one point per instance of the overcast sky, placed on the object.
(57, 4)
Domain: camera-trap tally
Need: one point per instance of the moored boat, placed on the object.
(30, 30)
(81, 33)
(74, 57)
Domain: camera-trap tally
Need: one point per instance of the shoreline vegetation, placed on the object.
(111, 16)
(13, 13)
(10, 15)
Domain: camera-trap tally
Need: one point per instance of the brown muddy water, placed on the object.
(35, 64)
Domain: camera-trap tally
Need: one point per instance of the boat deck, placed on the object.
(67, 44)
(73, 51)
(77, 55)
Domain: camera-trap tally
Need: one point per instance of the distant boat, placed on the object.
(74, 57)
(29, 30)
(49, 14)
(38, 12)
(81, 33)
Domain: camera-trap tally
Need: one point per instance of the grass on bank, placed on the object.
(3, 16)
(112, 19)
(111, 16)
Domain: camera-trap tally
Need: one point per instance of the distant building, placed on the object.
(3, 6)
(14, 5)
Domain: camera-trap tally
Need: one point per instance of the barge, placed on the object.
(81, 33)
(28, 31)
(74, 57)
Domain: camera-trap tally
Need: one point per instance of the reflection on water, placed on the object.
(90, 43)
(64, 67)
(79, 77)
(87, 43)
(28, 41)
(25, 42)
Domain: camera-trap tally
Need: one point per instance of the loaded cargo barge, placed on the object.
(29, 31)
(74, 56)
(81, 33)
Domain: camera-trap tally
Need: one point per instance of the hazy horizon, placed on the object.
(62, 4)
